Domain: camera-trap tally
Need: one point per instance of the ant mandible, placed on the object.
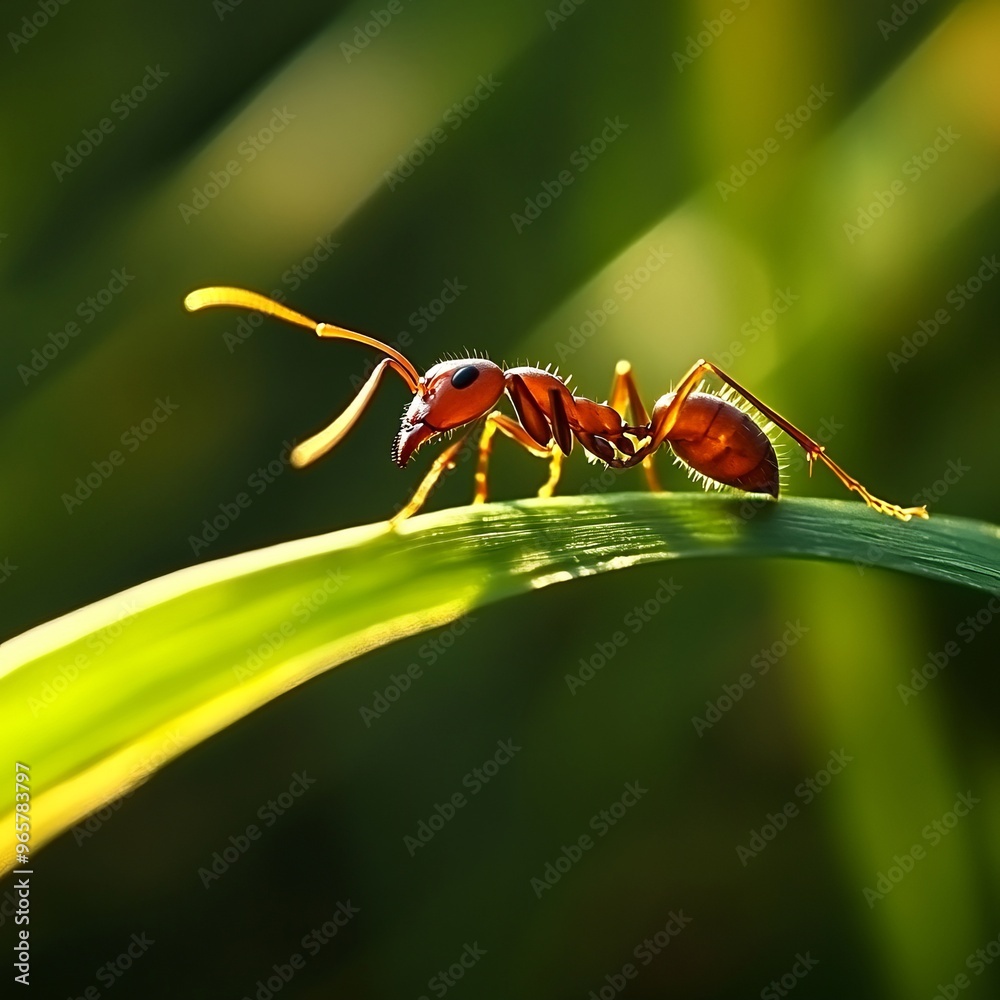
(712, 435)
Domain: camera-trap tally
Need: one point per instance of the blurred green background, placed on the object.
(806, 194)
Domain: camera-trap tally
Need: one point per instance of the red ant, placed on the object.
(717, 439)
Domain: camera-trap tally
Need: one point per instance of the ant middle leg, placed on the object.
(498, 421)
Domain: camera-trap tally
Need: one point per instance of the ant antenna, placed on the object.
(241, 298)
(319, 444)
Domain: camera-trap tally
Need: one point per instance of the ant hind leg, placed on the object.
(664, 421)
(625, 399)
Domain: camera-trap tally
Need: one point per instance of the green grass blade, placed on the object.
(95, 701)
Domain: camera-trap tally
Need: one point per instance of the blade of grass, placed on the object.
(97, 700)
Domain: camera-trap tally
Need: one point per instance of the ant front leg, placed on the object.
(498, 421)
(664, 420)
(446, 460)
(626, 400)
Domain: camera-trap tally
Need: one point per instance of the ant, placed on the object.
(717, 439)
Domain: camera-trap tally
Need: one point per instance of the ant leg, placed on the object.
(446, 460)
(625, 398)
(319, 444)
(664, 421)
(485, 447)
(555, 471)
(498, 421)
(625, 394)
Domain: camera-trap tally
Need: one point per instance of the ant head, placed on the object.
(452, 393)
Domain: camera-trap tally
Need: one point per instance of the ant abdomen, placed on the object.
(722, 442)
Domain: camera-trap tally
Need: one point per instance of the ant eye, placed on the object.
(464, 377)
